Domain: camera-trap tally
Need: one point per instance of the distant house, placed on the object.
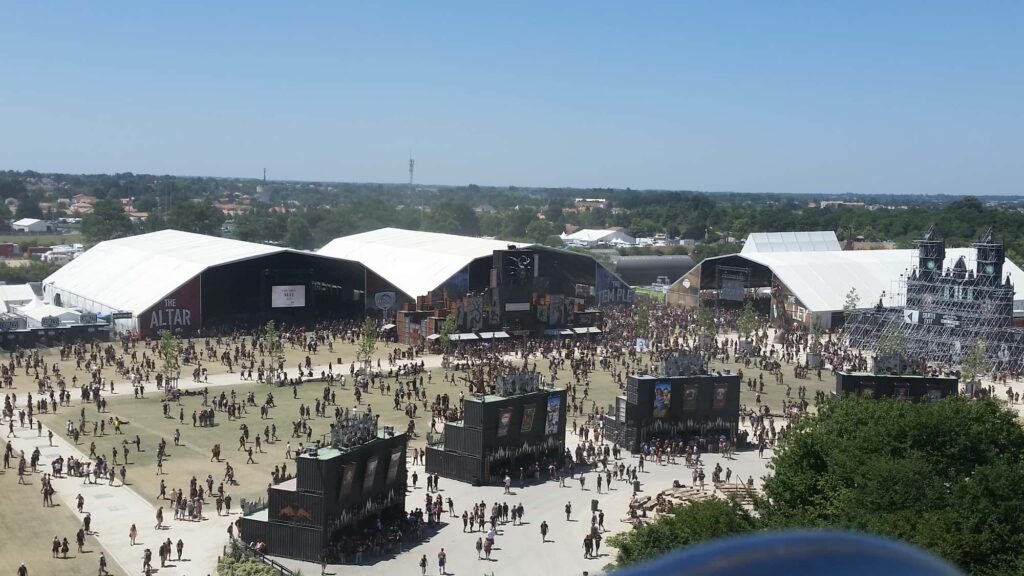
(31, 225)
(588, 204)
(588, 238)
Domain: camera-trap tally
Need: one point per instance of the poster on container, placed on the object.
(554, 415)
(504, 420)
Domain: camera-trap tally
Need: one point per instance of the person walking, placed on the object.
(479, 547)
(133, 532)
(568, 510)
(442, 560)
(181, 548)
(159, 518)
(103, 565)
(423, 565)
(22, 570)
(544, 531)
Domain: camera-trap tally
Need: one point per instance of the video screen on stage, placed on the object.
(287, 296)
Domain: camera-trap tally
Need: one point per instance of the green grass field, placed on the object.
(28, 529)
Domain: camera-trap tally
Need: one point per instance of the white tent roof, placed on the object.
(821, 280)
(16, 293)
(589, 235)
(134, 273)
(26, 222)
(37, 310)
(414, 262)
(814, 241)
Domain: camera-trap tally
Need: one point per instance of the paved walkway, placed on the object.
(518, 549)
(115, 508)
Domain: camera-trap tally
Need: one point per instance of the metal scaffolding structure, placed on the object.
(942, 311)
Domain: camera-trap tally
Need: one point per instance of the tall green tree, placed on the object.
(367, 341)
(945, 476)
(170, 353)
(447, 329)
(747, 322)
(200, 217)
(974, 363)
(274, 350)
(106, 221)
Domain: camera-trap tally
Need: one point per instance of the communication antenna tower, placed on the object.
(412, 168)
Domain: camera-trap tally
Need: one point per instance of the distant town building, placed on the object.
(31, 226)
(588, 204)
(836, 203)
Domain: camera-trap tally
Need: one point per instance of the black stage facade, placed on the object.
(521, 427)
(336, 490)
(900, 387)
(684, 407)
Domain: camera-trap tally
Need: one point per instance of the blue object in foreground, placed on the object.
(804, 553)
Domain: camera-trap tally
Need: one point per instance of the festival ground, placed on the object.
(144, 418)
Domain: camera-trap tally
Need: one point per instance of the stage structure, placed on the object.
(946, 309)
(337, 491)
(898, 386)
(517, 423)
(685, 402)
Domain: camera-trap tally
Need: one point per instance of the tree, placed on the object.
(975, 363)
(28, 207)
(642, 318)
(33, 271)
(706, 327)
(198, 217)
(747, 323)
(170, 352)
(367, 341)
(447, 329)
(851, 302)
(539, 231)
(687, 524)
(945, 476)
(298, 234)
(274, 348)
(106, 221)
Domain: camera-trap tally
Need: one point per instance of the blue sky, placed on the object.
(815, 97)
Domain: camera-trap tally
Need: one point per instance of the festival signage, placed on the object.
(177, 312)
(50, 322)
(504, 420)
(720, 391)
(397, 454)
(87, 318)
(553, 415)
(370, 475)
(528, 413)
(690, 392)
(662, 399)
(348, 477)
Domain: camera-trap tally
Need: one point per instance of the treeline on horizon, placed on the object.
(307, 215)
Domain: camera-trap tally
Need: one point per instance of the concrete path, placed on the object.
(518, 549)
(115, 508)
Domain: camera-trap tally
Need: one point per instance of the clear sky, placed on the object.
(816, 97)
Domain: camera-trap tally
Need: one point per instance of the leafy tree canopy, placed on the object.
(106, 221)
(944, 476)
